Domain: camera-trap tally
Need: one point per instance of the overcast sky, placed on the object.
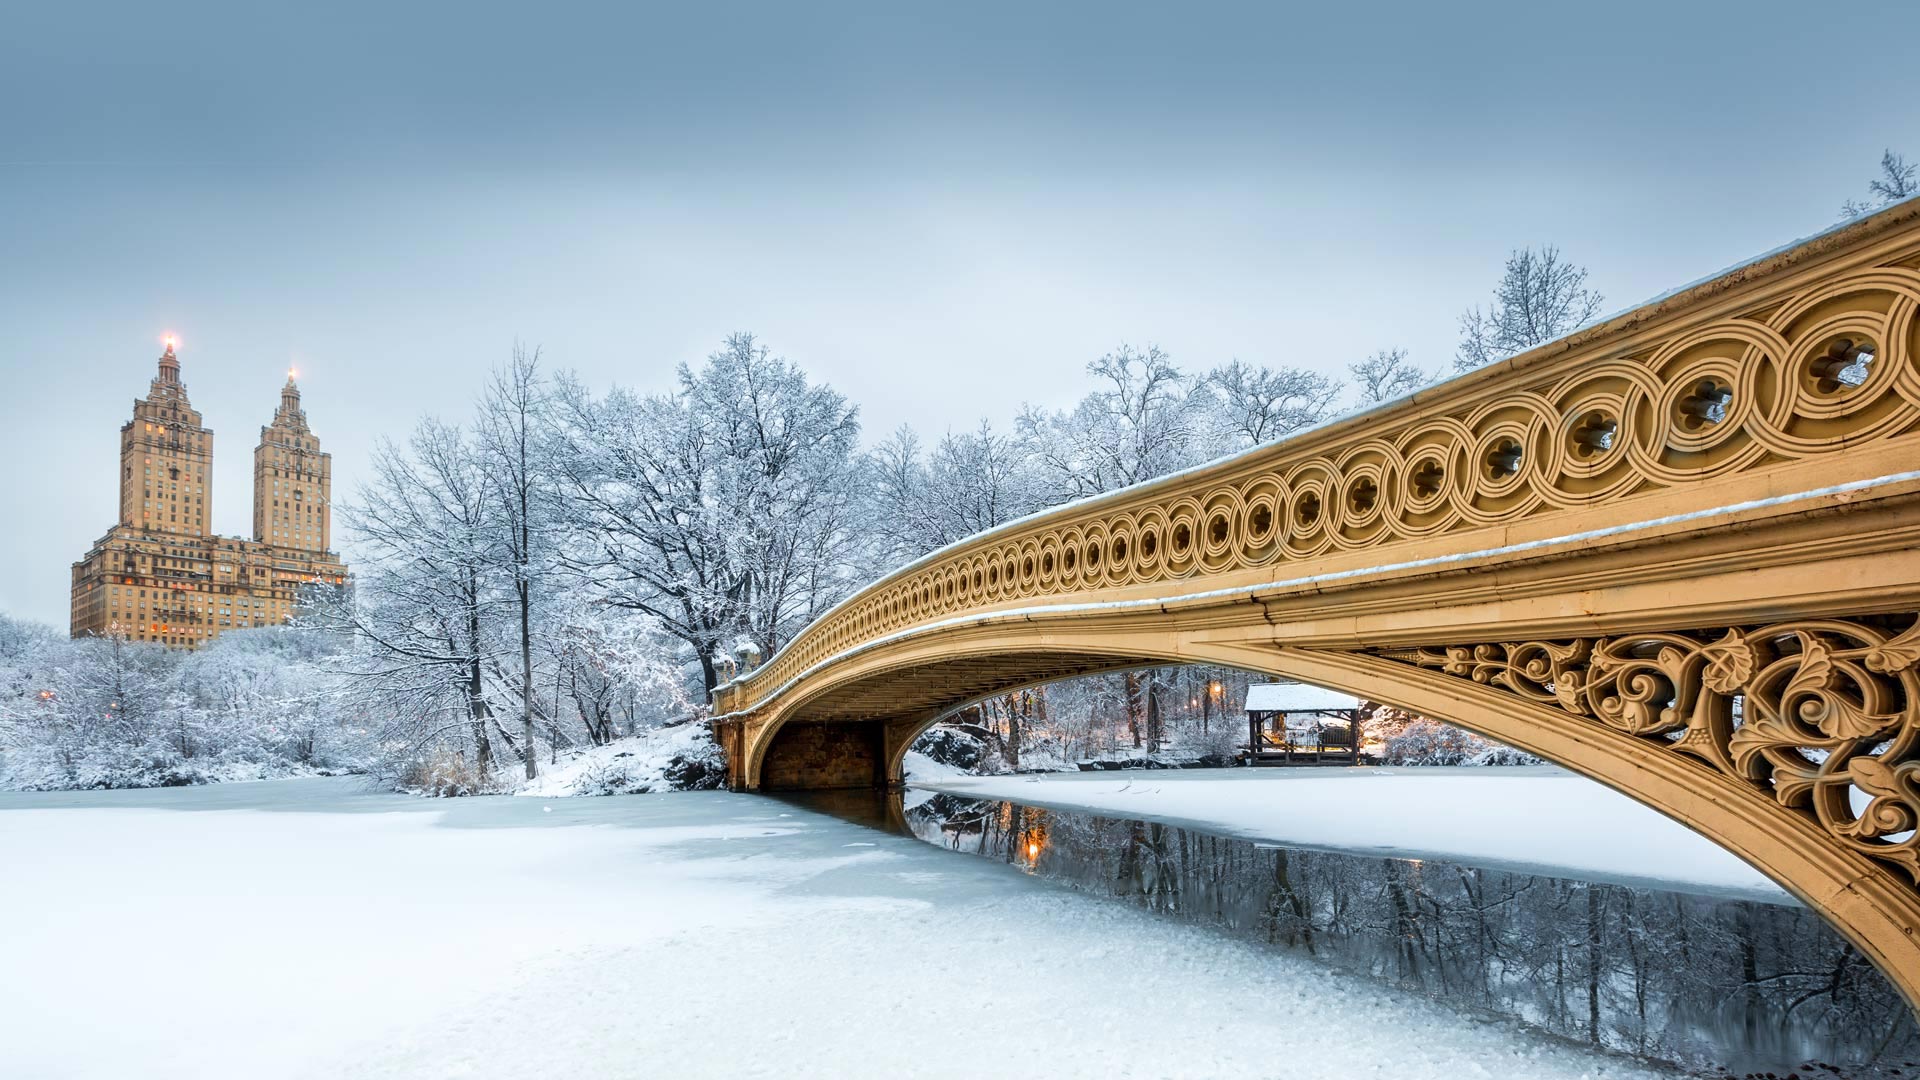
(942, 210)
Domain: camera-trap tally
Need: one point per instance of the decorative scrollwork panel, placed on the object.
(1822, 713)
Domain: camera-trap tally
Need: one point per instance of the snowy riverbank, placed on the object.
(307, 928)
(1528, 819)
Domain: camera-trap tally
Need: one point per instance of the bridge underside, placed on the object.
(854, 735)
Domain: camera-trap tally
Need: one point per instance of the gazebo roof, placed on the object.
(1297, 697)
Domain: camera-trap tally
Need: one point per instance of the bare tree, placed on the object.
(511, 428)
(425, 597)
(969, 483)
(1540, 297)
(1145, 420)
(898, 500)
(1141, 423)
(1385, 375)
(1897, 180)
(1254, 405)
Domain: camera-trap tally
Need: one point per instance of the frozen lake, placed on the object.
(305, 928)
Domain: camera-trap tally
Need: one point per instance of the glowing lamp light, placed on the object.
(170, 341)
(1033, 849)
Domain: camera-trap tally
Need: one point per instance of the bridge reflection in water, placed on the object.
(1701, 981)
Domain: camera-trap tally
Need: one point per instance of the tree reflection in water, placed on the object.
(1702, 981)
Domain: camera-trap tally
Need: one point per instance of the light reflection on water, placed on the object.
(1723, 986)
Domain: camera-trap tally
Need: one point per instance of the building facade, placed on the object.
(160, 574)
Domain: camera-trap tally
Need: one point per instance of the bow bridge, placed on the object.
(1674, 551)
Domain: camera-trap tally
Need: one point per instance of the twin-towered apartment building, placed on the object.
(159, 574)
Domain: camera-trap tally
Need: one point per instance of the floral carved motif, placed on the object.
(1824, 714)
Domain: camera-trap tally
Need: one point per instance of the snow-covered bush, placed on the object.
(1217, 746)
(110, 713)
(699, 766)
(1429, 742)
(679, 758)
(955, 749)
(444, 774)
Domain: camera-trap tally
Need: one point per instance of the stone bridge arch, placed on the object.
(1677, 552)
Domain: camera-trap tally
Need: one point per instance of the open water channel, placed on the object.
(1719, 986)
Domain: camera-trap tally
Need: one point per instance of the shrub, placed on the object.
(950, 747)
(703, 769)
(441, 775)
(1429, 742)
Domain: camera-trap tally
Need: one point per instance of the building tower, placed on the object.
(160, 575)
(166, 459)
(292, 480)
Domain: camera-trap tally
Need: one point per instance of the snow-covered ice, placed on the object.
(303, 928)
(1529, 819)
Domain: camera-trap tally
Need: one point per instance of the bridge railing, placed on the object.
(1702, 396)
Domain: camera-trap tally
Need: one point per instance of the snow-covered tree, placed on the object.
(26, 652)
(1249, 405)
(428, 601)
(1142, 421)
(108, 712)
(898, 497)
(786, 475)
(969, 483)
(512, 436)
(614, 672)
(1384, 375)
(1540, 297)
(721, 509)
(1897, 180)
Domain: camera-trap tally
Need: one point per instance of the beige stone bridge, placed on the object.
(1675, 552)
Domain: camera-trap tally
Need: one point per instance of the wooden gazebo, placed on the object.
(1298, 724)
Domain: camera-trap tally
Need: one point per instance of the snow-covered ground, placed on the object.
(630, 766)
(1530, 819)
(304, 928)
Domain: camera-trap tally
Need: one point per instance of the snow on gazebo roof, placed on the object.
(1297, 697)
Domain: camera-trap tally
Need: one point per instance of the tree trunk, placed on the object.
(526, 673)
(1593, 965)
(477, 714)
(477, 711)
(709, 675)
(1156, 728)
(1014, 732)
(1132, 681)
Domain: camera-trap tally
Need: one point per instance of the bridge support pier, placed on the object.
(818, 755)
